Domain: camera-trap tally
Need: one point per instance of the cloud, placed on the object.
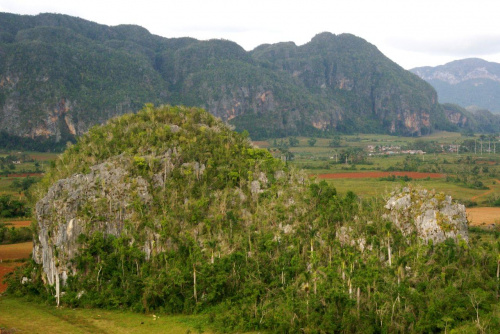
(464, 46)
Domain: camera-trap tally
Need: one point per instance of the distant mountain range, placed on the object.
(59, 75)
(471, 83)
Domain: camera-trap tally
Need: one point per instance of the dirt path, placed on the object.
(493, 188)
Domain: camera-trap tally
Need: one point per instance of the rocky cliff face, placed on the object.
(466, 82)
(100, 200)
(460, 70)
(333, 83)
(428, 215)
(347, 68)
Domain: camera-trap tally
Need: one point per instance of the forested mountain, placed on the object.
(169, 211)
(59, 75)
(469, 82)
(478, 120)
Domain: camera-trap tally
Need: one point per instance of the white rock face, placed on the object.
(432, 216)
(84, 203)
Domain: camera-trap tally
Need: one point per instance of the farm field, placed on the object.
(11, 256)
(17, 223)
(483, 216)
(16, 251)
(374, 165)
(369, 175)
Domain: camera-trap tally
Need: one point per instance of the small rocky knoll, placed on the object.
(432, 216)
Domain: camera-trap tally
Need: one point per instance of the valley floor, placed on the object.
(18, 315)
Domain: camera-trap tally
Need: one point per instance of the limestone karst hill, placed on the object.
(59, 75)
(168, 210)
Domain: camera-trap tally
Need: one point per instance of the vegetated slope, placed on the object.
(482, 121)
(169, 210)
(59, 75)
(374, 93)
(467, 82)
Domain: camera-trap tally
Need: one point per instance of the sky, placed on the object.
(412, 33)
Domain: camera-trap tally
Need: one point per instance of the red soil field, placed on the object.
(12, 252)
(16, 251)
(18, 223)
(5, 268)
(361, 175)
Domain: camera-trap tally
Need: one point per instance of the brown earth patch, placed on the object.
(5, 268)
(485, 162)
(483, 216)
(361, 175)
(43, 157)
(261, 143)
(18, 223)
(12, 252)
(16, 251)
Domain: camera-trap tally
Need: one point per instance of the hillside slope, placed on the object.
(59, 75)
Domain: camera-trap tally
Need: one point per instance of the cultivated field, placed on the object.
(374, 165)
(17, 223)
(371, 175)
(483, 216)
(16, 251)
(11, 256)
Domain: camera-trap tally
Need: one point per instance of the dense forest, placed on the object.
(176, 213)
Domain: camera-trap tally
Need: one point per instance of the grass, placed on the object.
(376, 188)
(30, 317)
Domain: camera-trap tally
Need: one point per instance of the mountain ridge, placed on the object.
(60, 75)
(466, 82)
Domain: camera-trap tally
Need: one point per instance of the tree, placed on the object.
(293, 141)
(312, 141)
(335, 142)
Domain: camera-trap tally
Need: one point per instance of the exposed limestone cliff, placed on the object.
(429, 215)
(101, 200)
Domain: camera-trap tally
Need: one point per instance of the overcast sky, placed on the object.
(410, 32)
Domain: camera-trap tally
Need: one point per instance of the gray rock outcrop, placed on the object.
(432, 216)
(101, 200)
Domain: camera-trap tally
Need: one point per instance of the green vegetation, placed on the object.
(333, 84)
(251, 244)
(11, 207)
(45, 318)
(14, 235)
